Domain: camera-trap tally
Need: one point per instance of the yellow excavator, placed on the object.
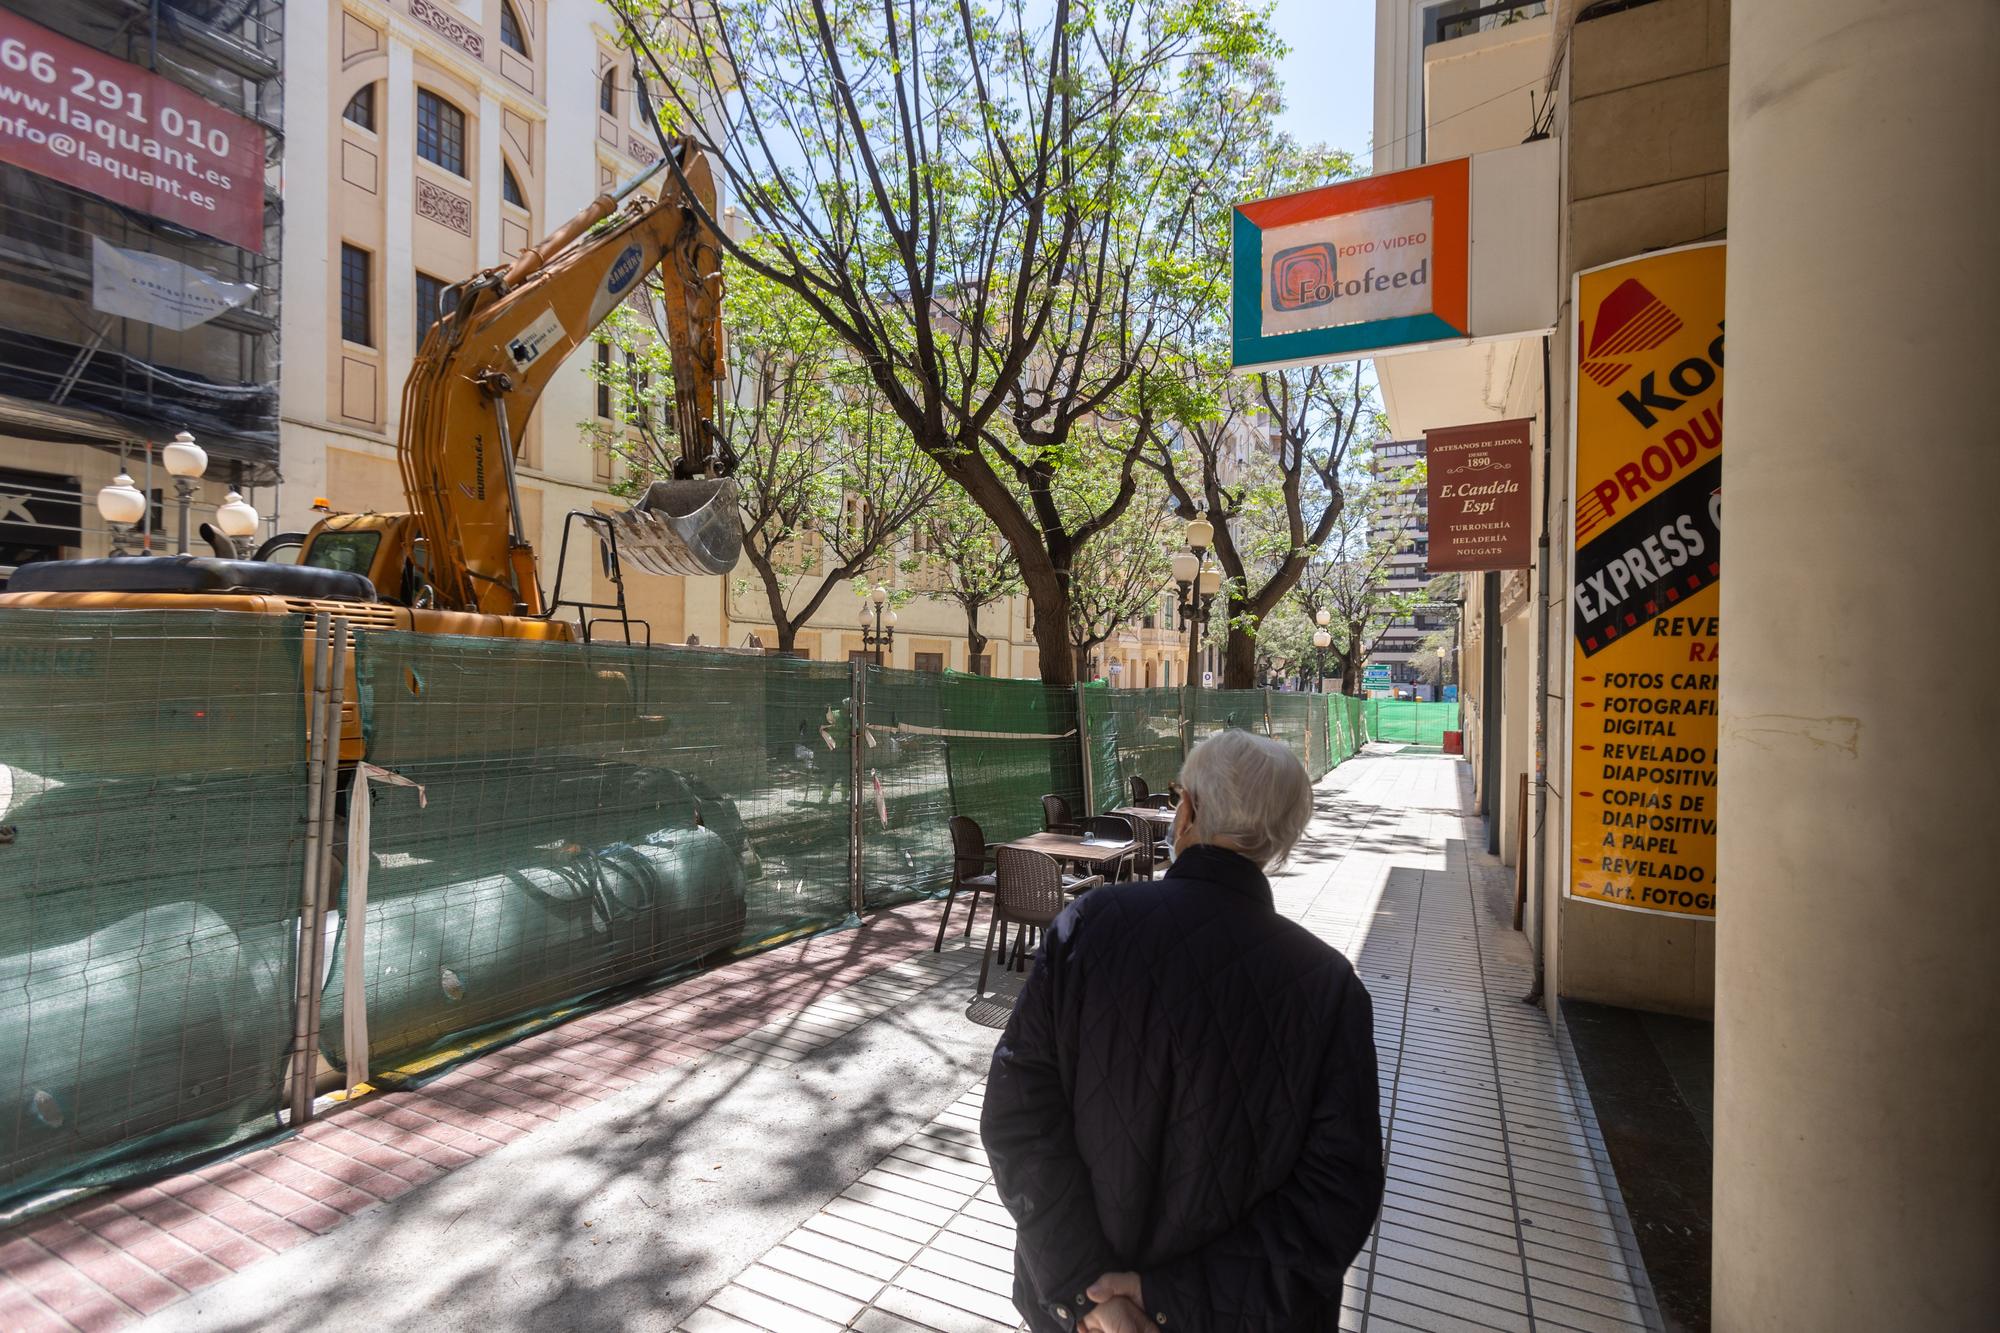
(459, 562)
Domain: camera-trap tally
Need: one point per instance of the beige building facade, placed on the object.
(1638, 98)
(1848, 967)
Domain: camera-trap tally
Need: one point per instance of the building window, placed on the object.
(510, 29)
(435, 297)
(440, 132)
(604, 380)
(357, 317)
(607, 92)
(982, 665)
(360, 108)
(930, 661)
(510, 188)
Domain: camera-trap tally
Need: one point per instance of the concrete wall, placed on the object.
(1645, 118)
(1857, 1181)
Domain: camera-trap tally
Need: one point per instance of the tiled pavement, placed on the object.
(127, 1253)
(1495, 1218)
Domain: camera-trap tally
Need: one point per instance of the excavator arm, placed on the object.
(482, 369)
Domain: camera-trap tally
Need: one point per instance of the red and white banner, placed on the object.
(93, 121)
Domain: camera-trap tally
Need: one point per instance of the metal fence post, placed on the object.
(857, 706)
(1083, 748)
(322, 787)
(1267, 713)
(302, 1046)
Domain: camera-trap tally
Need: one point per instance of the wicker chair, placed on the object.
(1056, 816)
(1141, 793)
(1124, 828)
(970, 855)
(1032, 892)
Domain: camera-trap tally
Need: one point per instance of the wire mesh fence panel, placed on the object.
(1411, 721)
(585, 817)
(1291, 722)
(153, 780)
(1133, 734)
(907, 768)
(1319, 736)
(1219, 710)
(949, 744)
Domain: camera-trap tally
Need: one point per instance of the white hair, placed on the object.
(1250, 791)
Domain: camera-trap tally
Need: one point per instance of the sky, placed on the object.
(1330, 73)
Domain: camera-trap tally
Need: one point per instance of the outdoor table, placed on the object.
(1161, 819)
(1094, 855)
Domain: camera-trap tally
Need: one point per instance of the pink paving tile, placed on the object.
(241, 1181)
(320, 1218)
(386, 1185)
(352, 1200)
(63, 1289)
(160, 1251)
(203, 1234)
(417, 1171)
(101, 1312)
(238, 1253)
(131, 1282)
(282, 1236)
(283, 1200)
(163, 1212)
(194, 1273)
(243, 1216)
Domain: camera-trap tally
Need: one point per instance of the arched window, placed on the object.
(510, 188)
(360, 108)
(440, 132)
(607, 92)
(510, 29)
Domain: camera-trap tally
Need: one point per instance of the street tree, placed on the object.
(967, 562)
(1264, 462)
(988, 205)
(1120, 575)
(1262, 457)
(827, 479)
(1348, 576)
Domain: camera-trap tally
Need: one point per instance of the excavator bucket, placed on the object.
(683, 527)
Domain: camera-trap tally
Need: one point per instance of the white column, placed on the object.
(399, 200)
(486, 208)
(1857, 1161)
(308, 245)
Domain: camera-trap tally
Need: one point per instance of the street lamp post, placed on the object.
(1321, 642)
(185, 461)
(883, 634)
(122, 505)
(1197, 583)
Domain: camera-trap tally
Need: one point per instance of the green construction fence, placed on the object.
(549, 826)
(1411, 721)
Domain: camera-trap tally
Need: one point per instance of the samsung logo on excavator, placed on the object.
(623, 270)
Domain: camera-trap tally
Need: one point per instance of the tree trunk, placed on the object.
(975, 642)
(788, 636)
(1239, 655)
(1049, 594)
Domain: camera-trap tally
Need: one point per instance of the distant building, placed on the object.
(139, 280)
(1409, 570)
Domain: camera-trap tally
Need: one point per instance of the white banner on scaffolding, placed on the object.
(159, 290)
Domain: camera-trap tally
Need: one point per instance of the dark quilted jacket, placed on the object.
(1187, 1089)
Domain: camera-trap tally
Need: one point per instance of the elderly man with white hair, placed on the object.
(1182, 1114)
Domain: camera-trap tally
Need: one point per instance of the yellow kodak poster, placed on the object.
(1646, 571)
